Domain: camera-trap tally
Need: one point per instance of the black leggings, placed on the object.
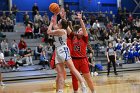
(112, 59)
(43, 63)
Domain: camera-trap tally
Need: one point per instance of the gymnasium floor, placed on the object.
(126, 82)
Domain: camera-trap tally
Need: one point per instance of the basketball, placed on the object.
(54, 8)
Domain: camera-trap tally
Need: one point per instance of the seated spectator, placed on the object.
(19, 61)
(12, 64)
(9, 25)
(44, 59)
(38, 51)
(36, 30)
(5, 48)
(94, 66)
(46, 19)
(48, 49)
(14, 48)
(22, 46)
(29, 31)
(28, 56)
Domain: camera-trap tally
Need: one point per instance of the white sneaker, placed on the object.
(91, 74)
(95, 74)
(84, 90)
(2, 84)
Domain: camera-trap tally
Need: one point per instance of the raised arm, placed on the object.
(56, 32)
(82, 24)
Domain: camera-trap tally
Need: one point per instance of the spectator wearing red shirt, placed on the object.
(22, 46)
(29, 31)
(12, 64)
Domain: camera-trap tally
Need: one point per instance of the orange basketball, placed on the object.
(54, 8)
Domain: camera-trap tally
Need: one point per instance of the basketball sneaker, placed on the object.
(2, 84)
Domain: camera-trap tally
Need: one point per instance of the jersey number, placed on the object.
(60, 40)
(77, 48)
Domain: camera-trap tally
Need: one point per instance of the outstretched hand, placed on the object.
(53, 19)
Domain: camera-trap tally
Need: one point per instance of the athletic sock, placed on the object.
(83, 84)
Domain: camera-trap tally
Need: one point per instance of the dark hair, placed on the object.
(64, 24)
(76, 27)
(110, 43)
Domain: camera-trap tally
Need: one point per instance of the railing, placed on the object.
(19, 14)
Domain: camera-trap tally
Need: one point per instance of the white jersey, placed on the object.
(60, 40)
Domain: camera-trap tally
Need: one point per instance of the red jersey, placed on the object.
(69, 44)
(78, 45)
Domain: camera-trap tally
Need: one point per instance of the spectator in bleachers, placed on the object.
(128, 36)
(118, 49)
(130, 54)
(35, 8)
(67, 10)
(12, 17)
(14, 48)
(14, 9)
(19, 61)
(46, 20)
(109, 25)
(29, 31)
(26, 18)
(28, 56)
(22, 46)
(12, 64)
(38, 51)
(136, 55)
(44, 59)
(9, 25)
(130, 19)
(48, 49)
(38, 18)
(36, 30)
(3, 23)
(96, 25)
(5, 48)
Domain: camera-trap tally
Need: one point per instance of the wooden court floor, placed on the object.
(124, 83)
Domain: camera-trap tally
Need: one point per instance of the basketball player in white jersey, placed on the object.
(63, 54)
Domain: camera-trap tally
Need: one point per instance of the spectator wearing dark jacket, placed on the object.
(38, 51)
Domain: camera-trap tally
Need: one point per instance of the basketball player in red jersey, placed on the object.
(79, 43)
